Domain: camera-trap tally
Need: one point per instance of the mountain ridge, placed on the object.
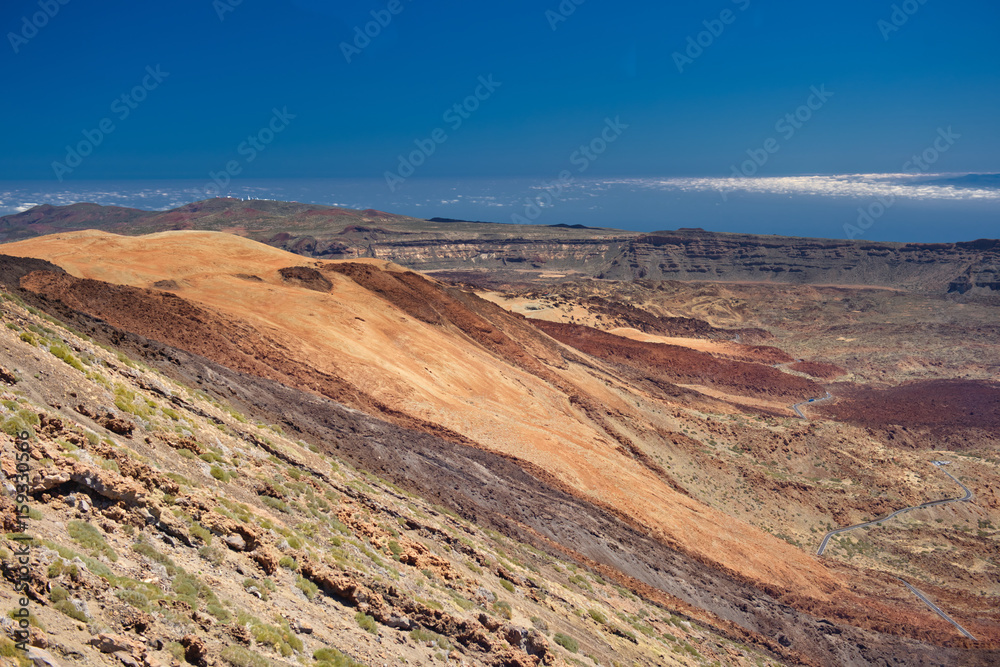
(968, 269)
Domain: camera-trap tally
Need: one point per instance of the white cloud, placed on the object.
(857, 186)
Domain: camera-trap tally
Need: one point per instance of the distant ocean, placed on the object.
(878, 207)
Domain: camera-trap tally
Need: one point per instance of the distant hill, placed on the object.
(531, 252)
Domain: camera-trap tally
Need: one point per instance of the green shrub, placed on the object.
(366, 622)
(29, 417)
(566, 642)
(29, 338)
(191, 589)
(288, 562)
(66, 607)
(58, 593)
(62, 352)
(8, 649)
(150, 552)
(202, 533)
(280, 638)
(137, 599)
(12, 426)
(220, 474)
(219, 612)
(307, 587)
(331, 657)
(213, 555)
(277, 504)
(89, 537)
(503, 608)
(598, 616)
(509, 587)
(237, 656)
(177, 650)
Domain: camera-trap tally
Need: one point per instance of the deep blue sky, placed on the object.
(940, 69)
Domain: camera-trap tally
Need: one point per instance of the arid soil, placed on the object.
(681, 364)
(677, 468)
(945, 405)
(818, 369)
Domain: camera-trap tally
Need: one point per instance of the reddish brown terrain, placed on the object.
(818, 369)
(646, 428)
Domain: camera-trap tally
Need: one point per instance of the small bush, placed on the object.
(213, 555)
(277, 504)
(307, 587)
(219, 612)
(366, 622)
(89, 537)
(509, 587)
(331, 657)
(137, 599)
(288, 562)
(66, 607)
(598, 616)
(177, 650)
(58, 593)
(566, 642)
(202, 533)
(150, 552)
(237, 656)
(503, 608)
(60, 351)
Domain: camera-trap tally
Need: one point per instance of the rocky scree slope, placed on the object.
(168, 528)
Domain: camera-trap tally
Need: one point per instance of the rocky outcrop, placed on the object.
(699, 255)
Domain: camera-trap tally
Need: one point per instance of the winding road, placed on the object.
(965, 499)
(923, 598)
(811, 400)
(939, 464)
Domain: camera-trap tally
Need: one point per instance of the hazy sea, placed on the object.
(878, 207)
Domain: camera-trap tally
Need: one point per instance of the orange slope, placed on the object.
(437, 374)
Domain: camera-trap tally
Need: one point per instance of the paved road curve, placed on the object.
(923, 598)
(811, 400)
(938, 611)
(933, 503)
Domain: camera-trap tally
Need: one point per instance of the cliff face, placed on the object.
(324, 232)
(697, 255)
(589, 256)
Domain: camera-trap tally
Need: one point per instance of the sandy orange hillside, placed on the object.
(437, 374)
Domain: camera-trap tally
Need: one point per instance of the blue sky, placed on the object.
(222, 79)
